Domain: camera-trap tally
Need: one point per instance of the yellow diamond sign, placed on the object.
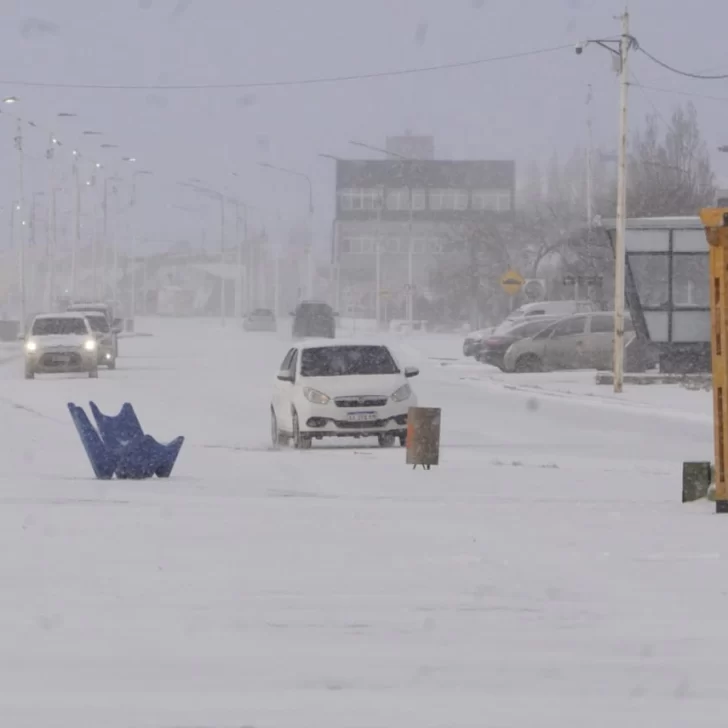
(512, 282)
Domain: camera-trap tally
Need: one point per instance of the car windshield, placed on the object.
(98, 324)
(59, 327)
(339, 361)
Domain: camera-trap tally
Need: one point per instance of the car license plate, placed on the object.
(362, 416)
(60, 359)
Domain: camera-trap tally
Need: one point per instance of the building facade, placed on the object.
(395, 219)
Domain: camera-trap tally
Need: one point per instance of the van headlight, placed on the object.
(31, 346)
(316, 397)
(403, 393)
(89, 345)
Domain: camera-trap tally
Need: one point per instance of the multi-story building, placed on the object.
(395, 219)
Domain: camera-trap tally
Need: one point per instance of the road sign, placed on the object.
(535, 289)
(511, 282)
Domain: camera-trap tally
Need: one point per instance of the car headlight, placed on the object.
(313, 395)
(403, 393)
(90, 345)
(31, 346)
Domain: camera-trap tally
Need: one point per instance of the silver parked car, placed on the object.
(262, 319)
(61, 342)
(583, 341)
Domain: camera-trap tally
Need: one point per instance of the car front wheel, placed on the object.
(300, 440)
(29, 373)
(93, 373)
(386, 440)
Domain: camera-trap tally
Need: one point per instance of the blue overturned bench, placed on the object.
(118, 446)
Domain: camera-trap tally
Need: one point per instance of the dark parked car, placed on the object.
(492, 349)
(314, 319)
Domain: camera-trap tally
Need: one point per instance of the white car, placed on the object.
(341, 390)
(61, 342)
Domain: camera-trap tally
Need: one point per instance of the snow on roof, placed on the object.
(67, 315)
(328, 343)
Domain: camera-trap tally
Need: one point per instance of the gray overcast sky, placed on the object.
(522, 109)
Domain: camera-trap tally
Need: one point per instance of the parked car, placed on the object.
(262, 319)
(341, 390)
(474, 339)
(583, 341)
(60, 342)
(314, 319)
(492, 349)
(550, 308)
(105, 339)
(116, 324)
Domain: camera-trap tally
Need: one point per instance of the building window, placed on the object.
(419, 199)
(398, 199)
(492, 200)
(445, 199)
(392, 245)
(360, 198)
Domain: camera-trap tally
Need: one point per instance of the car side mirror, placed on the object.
(410, 372)
(285, 376)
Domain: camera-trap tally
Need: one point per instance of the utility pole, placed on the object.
(620, 49)
(619, 247)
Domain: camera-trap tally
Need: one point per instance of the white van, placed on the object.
(551, 308)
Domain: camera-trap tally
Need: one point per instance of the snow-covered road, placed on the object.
(545, 575)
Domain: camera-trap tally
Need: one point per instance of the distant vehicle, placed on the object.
(314, 319)
(583, 341)
(551, 308)
(60, 342)
(341, 390)
(105, 339)
(492, 349)
(474, 339)
(116, 324)
(262, 319)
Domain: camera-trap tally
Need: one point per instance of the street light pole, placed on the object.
(21, 240)
(619, 248)
(309, 253)
(77, 236)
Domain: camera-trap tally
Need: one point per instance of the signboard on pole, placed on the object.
(512, 282)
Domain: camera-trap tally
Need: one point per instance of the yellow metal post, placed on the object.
(715, 221)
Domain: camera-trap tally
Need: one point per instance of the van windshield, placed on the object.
(339, 361)
(98, 323)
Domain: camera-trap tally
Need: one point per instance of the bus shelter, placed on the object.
(667, 288)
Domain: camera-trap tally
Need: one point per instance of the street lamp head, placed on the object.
(129, 159)
(10, 100)
(580, 46)
(109, 146)
(92, 133)
(66, 115)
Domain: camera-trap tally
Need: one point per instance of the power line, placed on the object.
(698, 76)
(678, 92)
(290, 82)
